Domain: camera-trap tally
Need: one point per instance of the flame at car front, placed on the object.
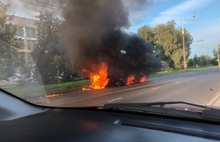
(98, 78)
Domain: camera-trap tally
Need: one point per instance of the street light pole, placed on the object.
(184, 49)
(184, 45)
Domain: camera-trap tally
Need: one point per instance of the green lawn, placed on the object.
(163, 73)
(35, 89)
(66, 86)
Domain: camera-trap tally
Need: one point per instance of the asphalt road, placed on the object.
(199, 87)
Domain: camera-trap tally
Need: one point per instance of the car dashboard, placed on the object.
(89, 124)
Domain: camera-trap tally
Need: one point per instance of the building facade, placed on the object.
(26, 30)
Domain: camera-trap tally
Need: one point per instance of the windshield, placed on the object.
(77, 53)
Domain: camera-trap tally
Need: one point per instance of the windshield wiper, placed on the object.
(160, 104)
(202, 112)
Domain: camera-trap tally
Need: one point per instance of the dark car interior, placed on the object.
(22, 121)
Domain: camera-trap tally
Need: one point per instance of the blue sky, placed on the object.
(205, 26)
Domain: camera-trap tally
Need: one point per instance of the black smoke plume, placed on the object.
(94, 34)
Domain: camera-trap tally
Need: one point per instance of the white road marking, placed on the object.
(213, 99)
(114, 99)
(155, 88)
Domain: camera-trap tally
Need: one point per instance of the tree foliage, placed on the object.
(48, 46)
(49, 54)
(167, 42)
(9, 45)
(203, 60)
(216, 51)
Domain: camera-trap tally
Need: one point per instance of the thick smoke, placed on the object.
(93, 33)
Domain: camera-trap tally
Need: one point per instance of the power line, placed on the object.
(201, 46)
(202, 50)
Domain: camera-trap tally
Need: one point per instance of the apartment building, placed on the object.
(26, 30)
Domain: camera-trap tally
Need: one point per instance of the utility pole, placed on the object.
(184, 45)
(184, 49)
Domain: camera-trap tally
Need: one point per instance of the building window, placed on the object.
(31, 33)
(20, 32)
(31, 44)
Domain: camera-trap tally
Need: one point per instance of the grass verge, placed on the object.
(36, 90)
(67, 86)
(163, 73)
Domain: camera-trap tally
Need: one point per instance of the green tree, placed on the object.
(215, 54)
(216, 51)
(48, 52)
(167, 42)
(148, 34)
(190, 62)
(51, 64)
(9, 45)
(203, 60)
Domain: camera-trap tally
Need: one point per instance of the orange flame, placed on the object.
(130, 80)
(84, 89)
(52, 95)
(143, 79)
(99, 78)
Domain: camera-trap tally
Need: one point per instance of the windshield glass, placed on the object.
(75, 53)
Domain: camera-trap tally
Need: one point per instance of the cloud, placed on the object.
(180, 12)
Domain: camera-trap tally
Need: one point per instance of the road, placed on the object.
(199, 87)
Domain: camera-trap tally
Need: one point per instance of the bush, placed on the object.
(165, 66)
